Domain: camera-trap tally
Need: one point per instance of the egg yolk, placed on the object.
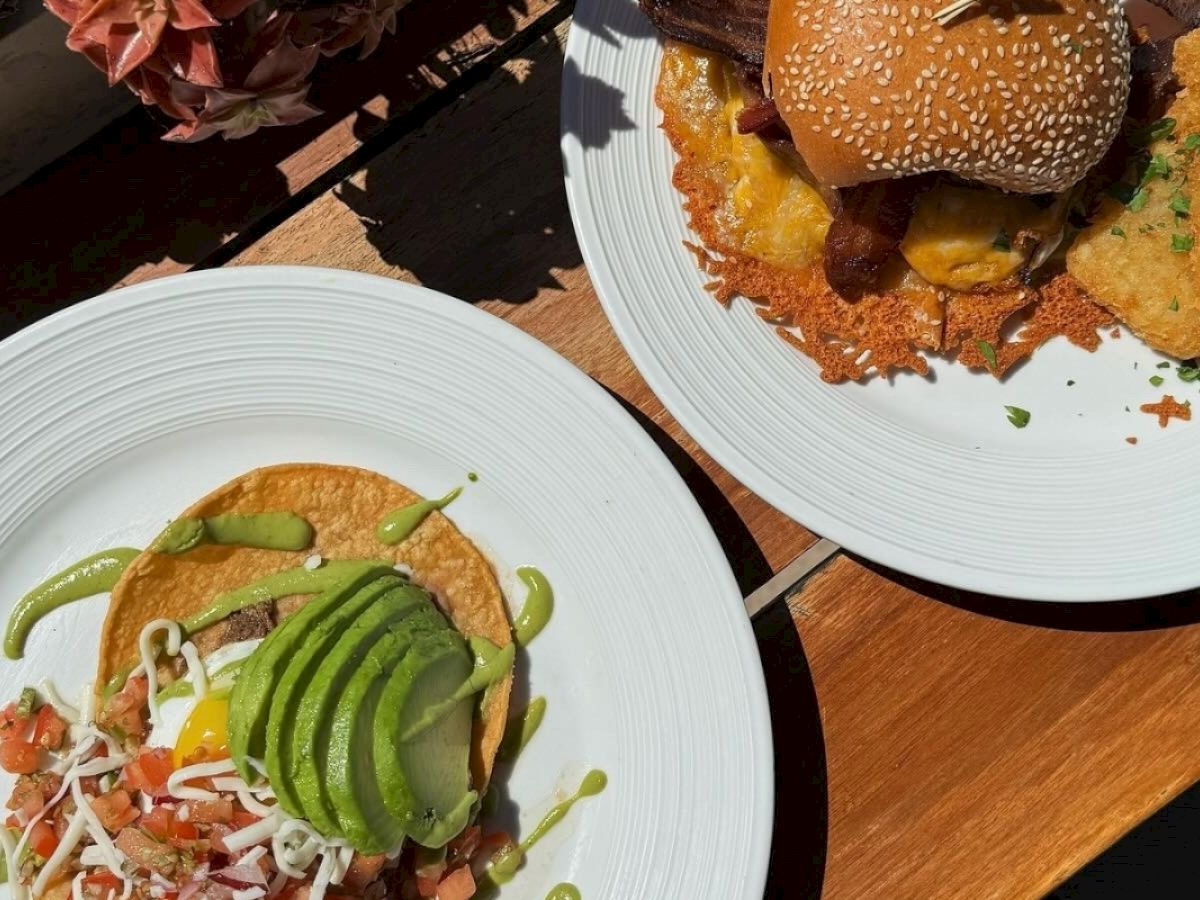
(207, 727)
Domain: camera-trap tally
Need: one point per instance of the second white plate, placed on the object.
(924, 475)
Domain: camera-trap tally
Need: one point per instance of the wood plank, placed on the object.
(974, 747)
(126, 206)
(929, 744)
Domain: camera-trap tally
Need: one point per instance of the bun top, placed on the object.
(1025, 96)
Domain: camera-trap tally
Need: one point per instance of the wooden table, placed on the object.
(929, 743)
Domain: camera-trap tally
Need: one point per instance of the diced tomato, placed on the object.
(458, 885)
(243, 819)
(466, 843)
(158, 822)
(43, 840)
(12, 724)
(124, 709)
(426, 887)
(150, 771)
(48, 728)
(17, 756)
(115, 809)
(147, 853)
(363, 870)
(102, 879)
(210, 811)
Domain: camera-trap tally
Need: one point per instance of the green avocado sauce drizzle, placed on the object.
(564, 891)
(504, 864)
(97, 574)
(539, 605)
(266, 531)
(400, 523)
(280, 584)
(520, 729)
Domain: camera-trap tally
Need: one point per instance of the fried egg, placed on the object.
(188, 723)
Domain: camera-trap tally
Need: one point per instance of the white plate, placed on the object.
(924, 475)
(120, 411)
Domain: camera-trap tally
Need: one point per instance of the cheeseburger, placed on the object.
(889, 179)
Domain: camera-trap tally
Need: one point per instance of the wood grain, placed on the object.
(925, 749)
(126, 206)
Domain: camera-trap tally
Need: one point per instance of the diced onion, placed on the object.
(252, 893)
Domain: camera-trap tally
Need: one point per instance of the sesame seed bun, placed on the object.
(1022, 96)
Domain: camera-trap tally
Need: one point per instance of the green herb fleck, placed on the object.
(988, 351)
(1002, 242)
(1156, 380)
(1138, 200)
(1155, 131)
(26, 703)
(1157, 168)
(1173, 306)
(1182, 243)
(1019, 417)
(1192, 142)
(1070, 382)
(1163, 365)
(1118, 231)
(1188, 373)
(1076, 47)
(1179, 204)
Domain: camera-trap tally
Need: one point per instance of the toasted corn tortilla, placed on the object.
(344, 505)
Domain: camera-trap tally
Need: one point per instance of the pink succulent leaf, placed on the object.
(236, 114)
(184, 93)
(128, 46)
(189, 14)
(228, 9)
(284, 67)
(154, 89)
(192, 56)
(67, 10)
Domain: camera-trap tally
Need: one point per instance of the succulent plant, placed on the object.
(225, 67)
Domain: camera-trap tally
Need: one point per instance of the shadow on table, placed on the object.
(125, 199)
(798, 845)
(497, 231)
(1125, 615)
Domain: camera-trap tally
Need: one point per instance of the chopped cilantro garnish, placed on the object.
(1019, 417)
(1118, 231)
(988, 351)
(1002, 241)
(1180, 204)
(1070, 382)
(1182, 243)
(1188, 373)
(1155, 131)
(26, 703)
(1075, 46)
(1138, 200)
(1192, 142)
(1158, 167)
(1173, 306)
(1156, 380)
(1163, 365)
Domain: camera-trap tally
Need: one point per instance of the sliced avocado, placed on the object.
(350, 757)
(307, 651)
(309, 729)
(425, 782)
(251, 699)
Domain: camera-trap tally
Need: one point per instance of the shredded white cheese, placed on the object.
(178, 789)
(76, 825)
(253, 806)
(11, 856)
(250, 893)
(112, 856)
(149, 653)
(252, 834)
(252, 856)
(196, 669)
